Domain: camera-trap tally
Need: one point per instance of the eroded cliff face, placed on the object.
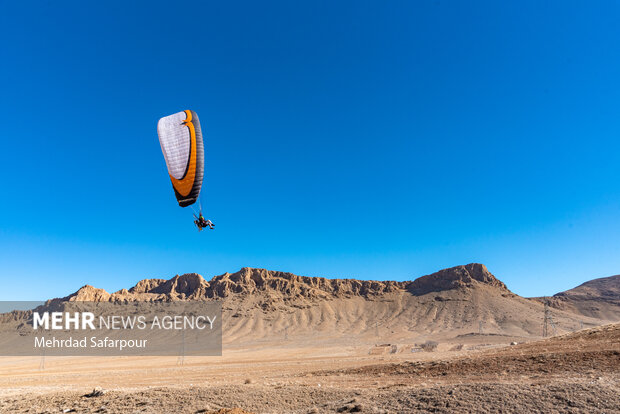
(283, 286)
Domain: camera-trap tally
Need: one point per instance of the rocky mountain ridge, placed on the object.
(287, 286)
(261, 305)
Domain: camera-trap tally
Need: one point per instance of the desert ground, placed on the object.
(342, 348)
(577, 372)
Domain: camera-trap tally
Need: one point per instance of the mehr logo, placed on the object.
(56, 319)
(86, 320)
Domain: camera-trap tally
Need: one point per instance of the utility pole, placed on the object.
(42, 363)
(181, 358)
(548, 320)
(480, 327)
(544, 332)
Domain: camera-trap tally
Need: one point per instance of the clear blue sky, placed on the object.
(376, 140)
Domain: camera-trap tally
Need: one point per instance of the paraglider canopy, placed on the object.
(181, 142)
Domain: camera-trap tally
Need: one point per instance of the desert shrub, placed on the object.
(429, 346)
(457, 347)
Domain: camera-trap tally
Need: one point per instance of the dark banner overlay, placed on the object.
(111, 329)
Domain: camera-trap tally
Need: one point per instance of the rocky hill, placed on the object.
(597, 298)
(459, 302)
(286, 287)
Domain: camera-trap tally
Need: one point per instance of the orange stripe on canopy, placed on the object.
(184, 185)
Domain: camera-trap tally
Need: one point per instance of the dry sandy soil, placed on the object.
(578, 372)
(296, 344)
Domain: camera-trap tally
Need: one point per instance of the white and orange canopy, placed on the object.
(181, 142)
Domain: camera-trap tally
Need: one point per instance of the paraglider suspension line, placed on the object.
(197, 213)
